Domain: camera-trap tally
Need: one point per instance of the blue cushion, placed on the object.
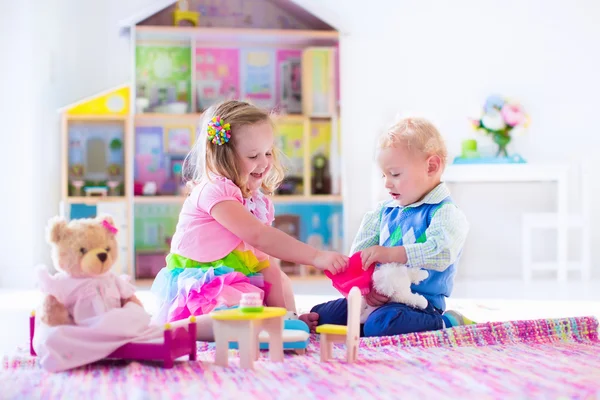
(290, 324)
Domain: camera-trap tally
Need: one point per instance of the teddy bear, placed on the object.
(394, 280)
(83, 253)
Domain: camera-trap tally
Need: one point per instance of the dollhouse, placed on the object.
(124, 149)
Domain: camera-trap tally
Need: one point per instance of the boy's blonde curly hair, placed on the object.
(417, 134)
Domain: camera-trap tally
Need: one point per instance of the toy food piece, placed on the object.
(251, 302)
(354, 275)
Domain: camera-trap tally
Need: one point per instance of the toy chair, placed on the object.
(353, 276)
(349, 334)
(235, 325)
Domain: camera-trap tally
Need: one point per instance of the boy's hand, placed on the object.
(330, 261)
(379, 254)
(376, 299)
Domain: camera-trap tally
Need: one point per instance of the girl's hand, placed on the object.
(330, 261)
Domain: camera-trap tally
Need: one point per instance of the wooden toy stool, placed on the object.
(349, 334)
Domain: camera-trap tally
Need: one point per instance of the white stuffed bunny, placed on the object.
(394, 280)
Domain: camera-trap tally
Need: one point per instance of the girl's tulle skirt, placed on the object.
(185, 287)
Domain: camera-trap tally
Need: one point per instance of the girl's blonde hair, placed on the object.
(222, 160)
(418, 134)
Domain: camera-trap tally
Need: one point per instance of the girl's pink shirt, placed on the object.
(199, 236)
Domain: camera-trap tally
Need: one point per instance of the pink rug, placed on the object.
(521, 359)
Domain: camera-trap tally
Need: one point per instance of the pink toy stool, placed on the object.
(353, 276)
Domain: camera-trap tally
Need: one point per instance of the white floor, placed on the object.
(481, 301)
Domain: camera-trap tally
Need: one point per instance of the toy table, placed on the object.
(244, 327)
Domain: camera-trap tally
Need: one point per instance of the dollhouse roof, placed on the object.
(288, 6)
(94, 97)
(145, 13)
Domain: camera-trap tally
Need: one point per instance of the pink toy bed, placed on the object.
(177, 342)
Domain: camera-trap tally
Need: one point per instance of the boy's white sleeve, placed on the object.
(445, 238)
(368, 233)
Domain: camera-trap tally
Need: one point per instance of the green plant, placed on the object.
(116, 144)
(114, 170)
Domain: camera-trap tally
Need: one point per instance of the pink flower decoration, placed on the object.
(110, 227)
(513, 114)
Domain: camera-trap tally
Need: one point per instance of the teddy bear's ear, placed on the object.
(107, 218)
(56, 230)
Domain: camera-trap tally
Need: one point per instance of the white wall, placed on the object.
(54, 53)
(441, 59)
(17, 108)
(436, 58)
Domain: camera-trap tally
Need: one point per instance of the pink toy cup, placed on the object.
(354, 275)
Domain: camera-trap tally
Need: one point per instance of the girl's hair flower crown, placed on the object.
(219, 132)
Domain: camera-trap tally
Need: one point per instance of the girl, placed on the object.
(224, 240)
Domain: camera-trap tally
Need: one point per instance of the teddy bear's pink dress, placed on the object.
(101, 325)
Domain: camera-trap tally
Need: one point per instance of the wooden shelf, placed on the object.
(325, 198)
(315, 198)
(144, 283)
(99, 117)
(151, 116)
(238, 35)
(94, 199)
(276, 117)
(288, 117)
(158, 250)
(158, 199)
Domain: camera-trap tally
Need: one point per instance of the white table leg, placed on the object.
(274, 327)
(324, 344)
(247, 345)
(562, 225)
(221, 344)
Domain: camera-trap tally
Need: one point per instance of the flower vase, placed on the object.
(502, 139)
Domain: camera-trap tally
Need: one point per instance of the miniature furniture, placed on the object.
(579, 221)
(295, 337)
(279, 57)
(178, 341)
(349, 334)
(182, 16)
(234, 325)
(96, 191)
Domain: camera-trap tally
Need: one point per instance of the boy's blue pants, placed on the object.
(388, 320)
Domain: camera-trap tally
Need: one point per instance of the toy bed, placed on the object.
(177, 341)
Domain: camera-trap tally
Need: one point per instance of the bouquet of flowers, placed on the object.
(501, 118)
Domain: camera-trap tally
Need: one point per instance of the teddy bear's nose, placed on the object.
(102, 256)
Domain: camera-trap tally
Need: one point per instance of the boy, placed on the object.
(420, 227)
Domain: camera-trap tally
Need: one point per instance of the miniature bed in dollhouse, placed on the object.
(125, 147)
(177, 342)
